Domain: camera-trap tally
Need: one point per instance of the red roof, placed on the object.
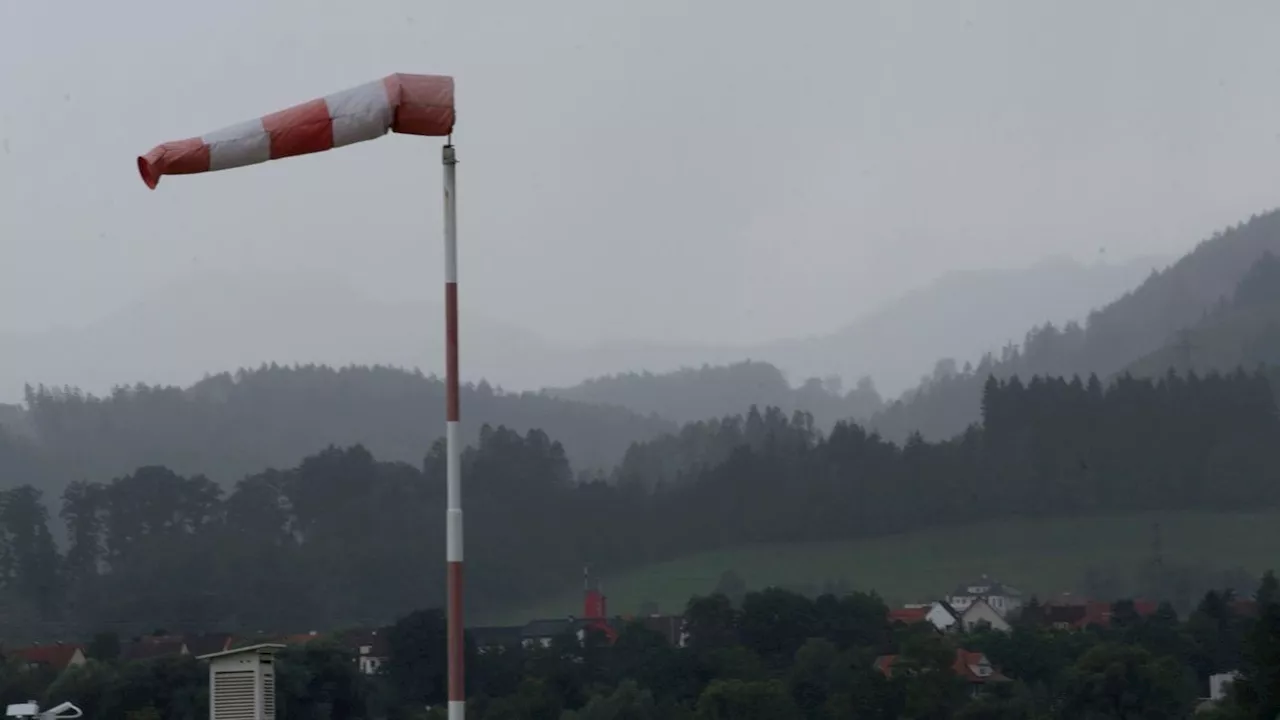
(1082, 615)
(149, 648)
(56, 656)
(908, 615)
(299, 638)
(968, 665)
(1146, 608)
(1245, 608)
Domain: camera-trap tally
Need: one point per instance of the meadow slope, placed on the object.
(1046, 557)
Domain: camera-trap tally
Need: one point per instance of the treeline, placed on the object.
(1133, 327)
(231, 425)
(342, 538)
(774, 655)
(1046, 447)
(695, 394)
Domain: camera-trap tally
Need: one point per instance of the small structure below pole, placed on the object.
(242, 683)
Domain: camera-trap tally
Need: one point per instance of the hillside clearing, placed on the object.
(1046, 557)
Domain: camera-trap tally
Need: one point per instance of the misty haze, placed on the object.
(794, 344)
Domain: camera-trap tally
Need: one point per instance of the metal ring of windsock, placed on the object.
(407, 104)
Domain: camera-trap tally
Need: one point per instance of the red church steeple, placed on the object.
(594, 608)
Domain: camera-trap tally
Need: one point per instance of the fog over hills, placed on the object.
(211, 322)
(214, 322)
(962, 315)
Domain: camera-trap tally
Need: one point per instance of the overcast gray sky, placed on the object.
(666, 169)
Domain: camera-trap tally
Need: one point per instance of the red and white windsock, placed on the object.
(401, 103)
(410, 104)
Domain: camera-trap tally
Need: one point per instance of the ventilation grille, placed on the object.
(233, 695)
(268, 695)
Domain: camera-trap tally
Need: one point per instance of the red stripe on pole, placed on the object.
(452, 401)
(457, 684)
(302, 129)
(181, 157)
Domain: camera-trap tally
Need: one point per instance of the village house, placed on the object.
(273, 639)
(595, 618)
(1244, 607)
(152, 647)
(938, 614)
(1006, 600)
(493, 638)
(1065, 616)
(368, 645)
(972, 667)
(1220, 683)
(57, 657)
(541, 633)
(909, 614)
(946, 618)
(1219, 687)
(670, 627)
(370, 648)
(1080, 615)
(980, 613)
(207, 643)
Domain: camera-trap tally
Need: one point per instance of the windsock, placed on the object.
(410, 104)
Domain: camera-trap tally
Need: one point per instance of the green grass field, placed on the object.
(1046, 557)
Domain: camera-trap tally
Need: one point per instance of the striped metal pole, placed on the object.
(453, 472)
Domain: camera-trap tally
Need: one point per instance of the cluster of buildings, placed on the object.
(984, 603)
(369, 646)
(991, 604)
(969, 606)
(595, 617)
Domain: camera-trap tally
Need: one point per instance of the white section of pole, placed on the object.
(453, 483)
(450, 159)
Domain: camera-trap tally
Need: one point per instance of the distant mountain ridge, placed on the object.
(693, 394)
(213, 321)
(1131, 327)
(230, 425)
(961, 314)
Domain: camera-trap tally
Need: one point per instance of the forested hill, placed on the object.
(323, 542)
(1112, 338)
(1244, 331)
(13, 418)
(692, 395)
(231, 425)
